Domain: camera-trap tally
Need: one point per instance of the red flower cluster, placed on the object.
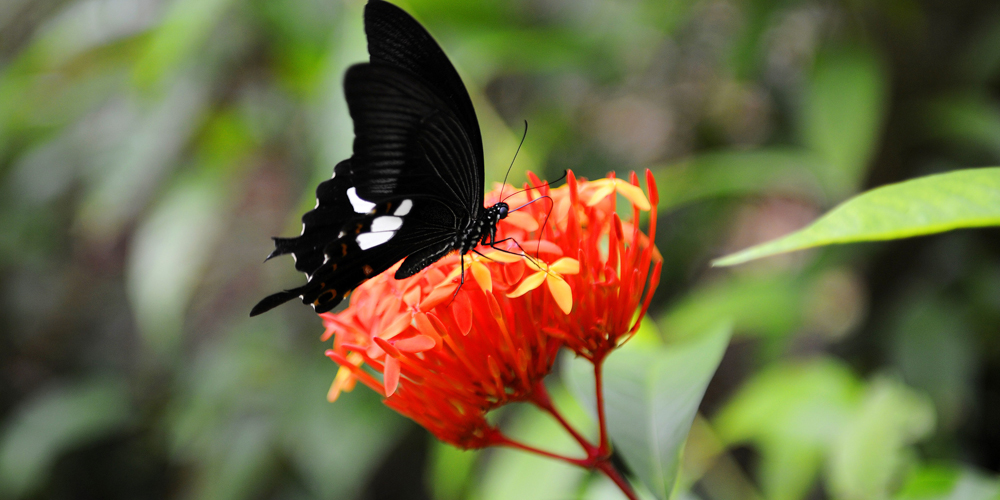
(446, 359)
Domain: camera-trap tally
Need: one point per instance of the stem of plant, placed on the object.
(605, 466)
(604, 444)
(540, 398)
(602, 464)
(502, 440)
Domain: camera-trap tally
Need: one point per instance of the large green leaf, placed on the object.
(651, 393)
(927, 205)
(842, 116)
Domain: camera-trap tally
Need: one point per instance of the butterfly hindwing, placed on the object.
(321, 225)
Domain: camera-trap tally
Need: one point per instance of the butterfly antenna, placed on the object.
(523, 136)
(546, 183)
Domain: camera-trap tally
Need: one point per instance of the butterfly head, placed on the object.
(502, 210)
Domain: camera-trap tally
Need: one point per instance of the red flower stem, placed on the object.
(605, 446)
(609, 470)
(602, 464)
(502, 440)
(540, 398)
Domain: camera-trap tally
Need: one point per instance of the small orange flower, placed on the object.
(551, 275)
(619, 265)
(605, 270)
(445, 356)
(445, 359)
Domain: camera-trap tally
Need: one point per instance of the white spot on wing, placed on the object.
(386, 223)
(404, 208)
(369, 240)
(360, 206)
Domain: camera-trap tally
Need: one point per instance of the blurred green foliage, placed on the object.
(150, 148)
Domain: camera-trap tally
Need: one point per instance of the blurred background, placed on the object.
(149, 149)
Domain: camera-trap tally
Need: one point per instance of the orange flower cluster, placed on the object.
(445, 353)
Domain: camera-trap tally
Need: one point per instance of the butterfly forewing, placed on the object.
(414, 185)
(408, 143)
(396, 39)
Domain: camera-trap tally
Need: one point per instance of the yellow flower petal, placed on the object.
(537, 265)
(482, 275)
(529, 283)
(633, 194)
(342, 378)
(604, 189)
(504, 257)
(522, 220)
(561, 292)
(345, 380)
(565, 265)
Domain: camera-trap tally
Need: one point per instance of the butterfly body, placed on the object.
(413, 188)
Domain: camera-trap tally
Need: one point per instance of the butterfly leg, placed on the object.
(524, 253)
(462, 279)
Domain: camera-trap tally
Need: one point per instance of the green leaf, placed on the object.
(652, 393)
(53, 423)
(516, 474)
(186, 26)
(451, 470)
(927, 205)
(939, 482)
(871, 450)
(843, 113)
(771, 306)
(791, 412)
(171, 249)
(966, 119)
(933, 348)
(729, 173)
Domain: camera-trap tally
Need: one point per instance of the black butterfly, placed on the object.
(413, 188)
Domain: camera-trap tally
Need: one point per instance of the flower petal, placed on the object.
(461, 310)
(502, 257)
(390, 377)
(512, 272)
(482, 275)
(633, 194)
(387, 347)
(425, 327)
(603, 190)
(343, 377)
(412, 296)
(544, 246)
(561, 292)
(522, 220)
(419, 343)
(565, 265)
(562, 209)
(396, 327)
(530, 283)
(440, 294)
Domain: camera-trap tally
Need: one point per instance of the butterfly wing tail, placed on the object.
(274, 300)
